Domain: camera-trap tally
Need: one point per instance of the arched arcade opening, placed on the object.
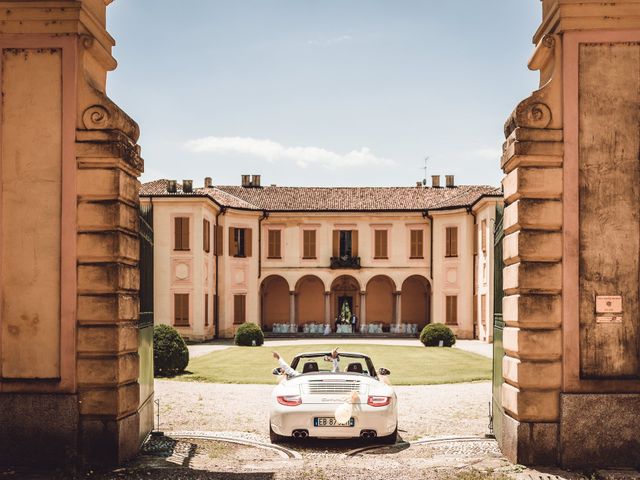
(416, 301)
(274, 302)
(310, 302)
(381, 301)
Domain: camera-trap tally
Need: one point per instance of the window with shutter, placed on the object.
(206, 309)
(484, 236)
(309, 244)
(451, 310)
(248, 242)
(218, 241)
(181, 230)
(346, 244)
(451, 242)
(206, 236)
(239, 309)
(417, 245)
(274, 250)
(380, 248)
(240, 242)
(476, 232)
(181, 309)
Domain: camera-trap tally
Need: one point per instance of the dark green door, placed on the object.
(498, 324)
(145, 321)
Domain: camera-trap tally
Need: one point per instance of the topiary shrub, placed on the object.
(170, 353)
(247, 333)
(433, 333)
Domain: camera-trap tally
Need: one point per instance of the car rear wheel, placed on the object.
(274, 437)
(389, 439)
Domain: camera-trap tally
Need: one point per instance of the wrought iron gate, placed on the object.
(145, 321)
(498, 324)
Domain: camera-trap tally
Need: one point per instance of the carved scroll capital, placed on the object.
(96, 117)
(543, 109)
(106, 115)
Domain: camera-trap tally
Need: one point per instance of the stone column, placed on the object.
(571, 308)
(292, 308)
(363, 308)
(71, 395)
(398, 309)
(327, 307)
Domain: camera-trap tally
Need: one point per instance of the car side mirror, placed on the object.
(277, 371)
(384, 372)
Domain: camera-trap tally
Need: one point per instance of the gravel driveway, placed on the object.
(458, 409)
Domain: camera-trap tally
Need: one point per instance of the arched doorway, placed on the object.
(310, 300)
(344, 289)
(274, 296)
(380, 300)
(416, 301)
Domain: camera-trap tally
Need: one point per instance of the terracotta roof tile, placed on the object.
(334, 198)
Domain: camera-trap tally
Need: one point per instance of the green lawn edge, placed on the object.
(409, 365)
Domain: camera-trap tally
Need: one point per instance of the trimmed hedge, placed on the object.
(170, 353)
(247, 333)
(433, 333)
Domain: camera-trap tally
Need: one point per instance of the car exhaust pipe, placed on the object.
(368, 434)
(300, 434)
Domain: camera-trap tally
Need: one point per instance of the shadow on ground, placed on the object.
(337, 446)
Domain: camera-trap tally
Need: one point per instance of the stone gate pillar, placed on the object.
(571, 391)
(69, 241)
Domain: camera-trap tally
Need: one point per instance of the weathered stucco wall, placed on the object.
(571, 245)
(31, 217)
(69, 268)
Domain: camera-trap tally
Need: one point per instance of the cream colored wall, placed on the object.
(453, 276)
(238, 276)
(243, 276)
(398, 267)
(485, 210)
(200, 267)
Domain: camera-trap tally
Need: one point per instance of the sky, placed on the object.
(322, 92)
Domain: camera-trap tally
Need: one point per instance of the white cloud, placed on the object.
(329, 42)
(273, 152)
(488, 153)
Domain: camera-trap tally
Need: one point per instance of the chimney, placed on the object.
(246, 180)
(187, 186)
(435, 181)
(171, 186)
(208, 182)
(450, 181)
(255, 180)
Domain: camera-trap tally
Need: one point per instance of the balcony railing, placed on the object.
(345, 262)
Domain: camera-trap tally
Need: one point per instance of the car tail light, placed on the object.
(378, 401)
(290, 400)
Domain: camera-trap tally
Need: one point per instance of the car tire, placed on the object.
(389, 439)
(274, 437)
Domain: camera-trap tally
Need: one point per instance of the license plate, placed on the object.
(332, 422)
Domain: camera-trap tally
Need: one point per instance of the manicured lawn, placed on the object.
(408, 365)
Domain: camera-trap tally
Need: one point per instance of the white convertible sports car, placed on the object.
(306, 403)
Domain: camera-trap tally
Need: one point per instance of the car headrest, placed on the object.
(310, 367)
(354, 368)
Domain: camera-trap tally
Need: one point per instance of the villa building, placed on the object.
(291, 259)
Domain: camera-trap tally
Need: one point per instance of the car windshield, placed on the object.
(321, 363)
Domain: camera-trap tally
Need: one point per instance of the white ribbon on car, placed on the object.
(345, 410)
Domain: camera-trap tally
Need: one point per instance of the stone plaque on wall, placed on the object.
(609, 189)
